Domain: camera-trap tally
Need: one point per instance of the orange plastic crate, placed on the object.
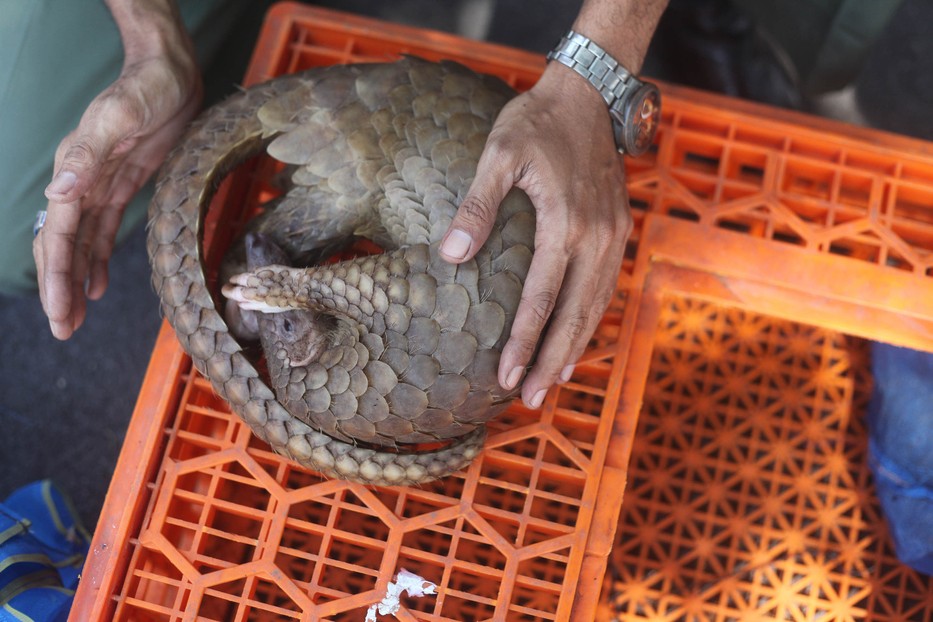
(749, 495)
(741, 212)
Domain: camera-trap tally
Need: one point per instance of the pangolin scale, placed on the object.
(406, 345)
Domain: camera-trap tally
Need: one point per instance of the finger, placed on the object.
(81, 155)
(593, 289)
(569, 323)
(38, 255)
(78, 303)
(115, 195)
(603, 297)
(495, 176)
(81, 264)
(57, 247)
(539, 297)
(573, 324)
(101, 250)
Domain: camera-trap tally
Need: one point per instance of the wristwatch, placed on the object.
(634, 105)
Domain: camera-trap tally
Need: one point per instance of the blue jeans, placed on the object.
(900, 427)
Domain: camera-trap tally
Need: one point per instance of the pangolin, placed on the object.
(394, 375)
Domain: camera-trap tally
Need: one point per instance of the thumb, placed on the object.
(477, 212)
(81, 162)
(82, 154)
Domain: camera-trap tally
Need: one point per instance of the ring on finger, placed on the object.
(39, 222)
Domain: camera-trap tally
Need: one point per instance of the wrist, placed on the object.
(152, 29)
(633, 105)
(563, 84)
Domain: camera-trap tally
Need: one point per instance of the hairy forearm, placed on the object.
(621, 27)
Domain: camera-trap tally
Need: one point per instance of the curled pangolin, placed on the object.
(405, 346)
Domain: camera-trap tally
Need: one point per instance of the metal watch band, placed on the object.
(593, 63)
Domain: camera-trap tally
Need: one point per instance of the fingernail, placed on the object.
(513, 377)
(538, 398)
(59, 330)
(566, 373)
(457, 244)
(62, 183)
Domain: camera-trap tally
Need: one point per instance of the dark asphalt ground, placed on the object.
(64, 406)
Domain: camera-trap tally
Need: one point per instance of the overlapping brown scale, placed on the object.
(401, 139)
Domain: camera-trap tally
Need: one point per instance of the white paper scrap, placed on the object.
(404, 582)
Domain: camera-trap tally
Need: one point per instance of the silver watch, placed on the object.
(634, 105)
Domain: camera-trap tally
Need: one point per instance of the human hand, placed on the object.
(555, 142)
(122, 138)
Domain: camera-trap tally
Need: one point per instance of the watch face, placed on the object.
(642, 115)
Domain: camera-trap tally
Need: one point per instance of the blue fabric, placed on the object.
(42, 549)
(900, 428)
